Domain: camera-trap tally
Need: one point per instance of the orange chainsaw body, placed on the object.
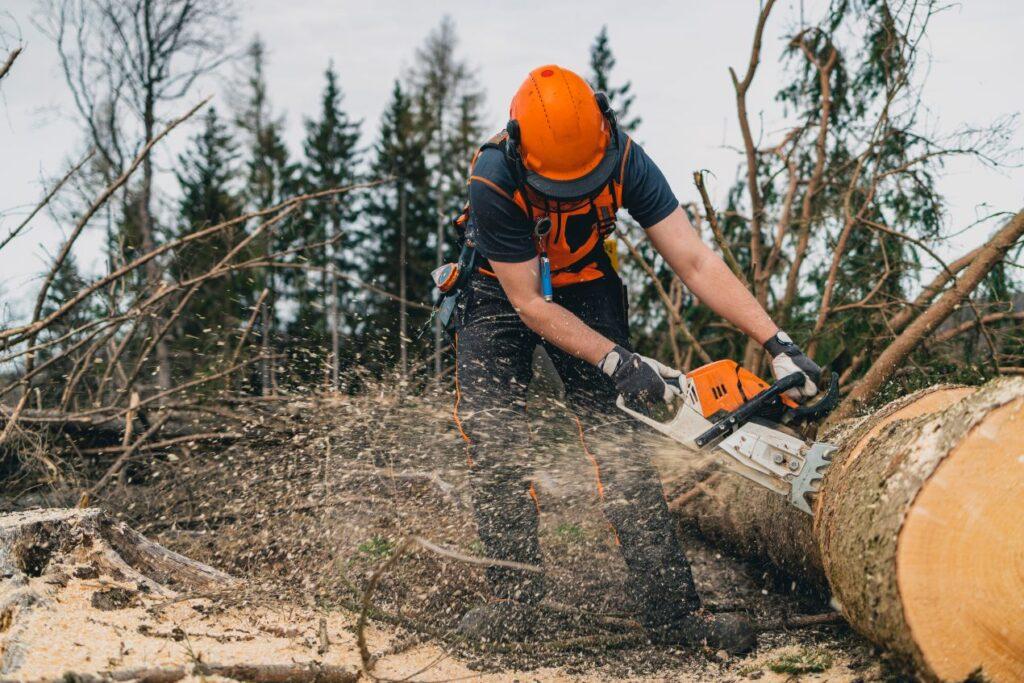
(724, 386)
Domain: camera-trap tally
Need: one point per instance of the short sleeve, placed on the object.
(645, 192)
(498, 227)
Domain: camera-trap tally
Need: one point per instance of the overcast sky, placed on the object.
(675, 52)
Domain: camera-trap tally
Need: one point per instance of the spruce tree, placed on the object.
(447, 100)
(602, 61)
(67, 282)
(208, 176)
(331, 160)
(398, 256)
(270, 177)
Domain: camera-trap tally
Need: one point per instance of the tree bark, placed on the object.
(916, 530)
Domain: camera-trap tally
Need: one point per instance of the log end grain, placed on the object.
(960, 556)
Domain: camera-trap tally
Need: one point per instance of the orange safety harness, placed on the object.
(575, 243)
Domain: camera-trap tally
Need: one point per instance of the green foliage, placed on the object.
(269, 177)
(602, 61)
(803, 661)
(207, 174)
(428, 134)
(67, 282)
(399, 219)
(376, 547)
(570, 533)
(329, 228)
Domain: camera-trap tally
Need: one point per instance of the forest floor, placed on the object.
(318, 495)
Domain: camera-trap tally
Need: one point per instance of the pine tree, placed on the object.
(207, 174)
(67, 282)
(270, 177)
(332, 157)
(602, 61)
(448, 101)
(400, 219)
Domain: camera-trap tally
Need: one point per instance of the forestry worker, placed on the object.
(543, 196)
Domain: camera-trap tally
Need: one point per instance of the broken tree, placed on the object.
(916, 532)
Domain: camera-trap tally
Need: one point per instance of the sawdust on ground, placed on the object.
(67, 634)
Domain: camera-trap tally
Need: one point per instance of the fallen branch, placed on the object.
(116, 466)
(158, 445)
(96, 206)
(969, 325)
(9, 62)
(46, 199)
(698, 489)
(716, 230)
(801, 621)
(665, 299)
(897, 352)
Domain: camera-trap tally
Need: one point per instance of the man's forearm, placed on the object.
(707, 276)
(563, 329)
(723, 293)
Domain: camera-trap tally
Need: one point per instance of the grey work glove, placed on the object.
(787, 358)
(639, 378)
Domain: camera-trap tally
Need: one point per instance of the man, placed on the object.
(563, 159)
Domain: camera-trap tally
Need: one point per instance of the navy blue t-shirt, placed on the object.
(502, 231)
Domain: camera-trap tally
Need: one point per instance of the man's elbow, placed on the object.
(534, 312)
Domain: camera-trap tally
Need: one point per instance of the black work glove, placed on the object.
(638, 378)
(787, 358)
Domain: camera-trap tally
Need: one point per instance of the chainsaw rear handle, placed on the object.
(750, 409)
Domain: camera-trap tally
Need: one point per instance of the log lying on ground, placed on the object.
(918, 531)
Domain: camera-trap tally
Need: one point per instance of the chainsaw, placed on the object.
(751, 427)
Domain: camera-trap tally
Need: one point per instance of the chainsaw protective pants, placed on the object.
(494, 350)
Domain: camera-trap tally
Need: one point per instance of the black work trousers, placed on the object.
(494, 351)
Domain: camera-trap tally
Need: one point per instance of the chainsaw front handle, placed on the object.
(812, 411)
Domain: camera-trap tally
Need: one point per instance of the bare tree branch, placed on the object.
(901, 347)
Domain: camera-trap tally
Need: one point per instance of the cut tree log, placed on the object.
(918, 531)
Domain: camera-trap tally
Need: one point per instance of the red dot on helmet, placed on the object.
(547, 72)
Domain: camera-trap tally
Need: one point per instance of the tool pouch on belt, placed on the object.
(450, 284)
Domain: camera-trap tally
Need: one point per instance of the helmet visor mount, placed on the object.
(578, 189)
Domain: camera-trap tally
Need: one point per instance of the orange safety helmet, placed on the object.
(563, 140)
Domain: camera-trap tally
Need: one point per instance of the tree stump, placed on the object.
(40, 549)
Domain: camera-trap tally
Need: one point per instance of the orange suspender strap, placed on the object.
(590, 456)
(458, 398)
(494, 186)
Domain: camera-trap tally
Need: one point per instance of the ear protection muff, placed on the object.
(512, 155)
